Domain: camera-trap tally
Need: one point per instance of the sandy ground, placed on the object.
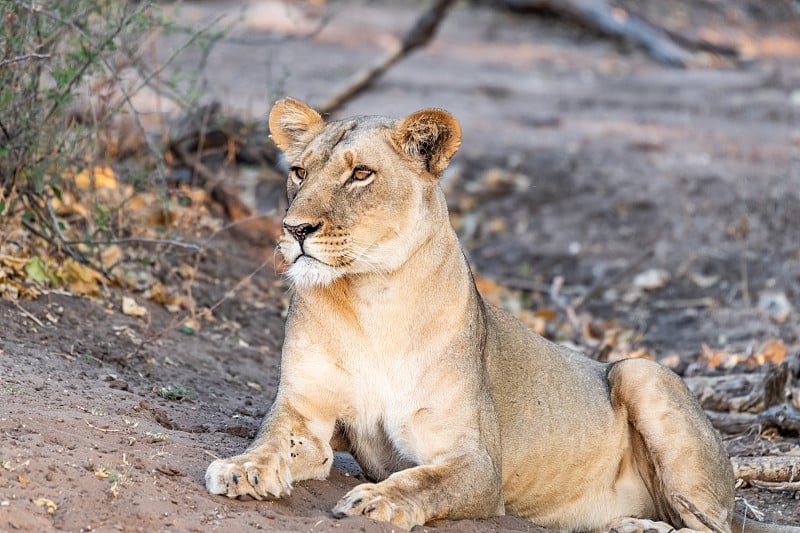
(579, 154)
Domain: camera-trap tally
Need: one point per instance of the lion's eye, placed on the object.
(361, 173)
(299, 173)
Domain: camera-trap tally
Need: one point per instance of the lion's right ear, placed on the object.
(292, 125)
(431, 136)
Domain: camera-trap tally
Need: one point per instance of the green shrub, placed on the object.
(53, 51)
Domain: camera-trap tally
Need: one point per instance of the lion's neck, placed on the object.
(431, 286)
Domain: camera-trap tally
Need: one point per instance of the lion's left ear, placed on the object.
(292, 125)
(431, 136)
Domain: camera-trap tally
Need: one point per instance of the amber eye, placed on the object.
(299, 173)
(361, 173)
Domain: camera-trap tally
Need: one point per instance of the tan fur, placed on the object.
(451, 406)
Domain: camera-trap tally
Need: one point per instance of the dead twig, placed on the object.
(104, 430)
(751, 509)
(25, 57)
(142, 240)
(787, 485)
(48, 219)
(419, 34)
(28, 314)
(686, 303)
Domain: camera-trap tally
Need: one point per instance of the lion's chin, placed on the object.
(307, 272)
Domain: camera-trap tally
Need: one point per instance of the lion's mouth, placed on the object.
(309, 257)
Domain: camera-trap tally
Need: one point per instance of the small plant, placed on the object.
(52, 53)
(68, 74)
(175, 392)
(156, 435)
(116, 477)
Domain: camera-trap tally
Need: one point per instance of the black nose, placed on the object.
(301, 231)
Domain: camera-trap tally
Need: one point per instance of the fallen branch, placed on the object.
(699, 43)
(104, 430)
(767, 469)
(25, 57)
(779, 380)
(418, 35)
(783, 417)
(747, 392)
(732, 423)
(792, 486)
(734, 392)
(613, 21)
(28, 314)
(50, 231)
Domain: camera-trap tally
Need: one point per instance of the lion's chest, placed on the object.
(384, 394)
(385, 368)
(379, 417)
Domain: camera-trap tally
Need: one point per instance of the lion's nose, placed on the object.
(301, 231)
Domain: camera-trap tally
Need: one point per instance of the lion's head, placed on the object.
(363, 192)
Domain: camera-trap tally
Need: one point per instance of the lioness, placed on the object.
(453, 407)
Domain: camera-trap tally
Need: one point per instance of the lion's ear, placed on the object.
(430, 135)
(292, 125)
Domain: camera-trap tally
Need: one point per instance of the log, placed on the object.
(732, 423)
(748, 392)
(612, 21)
(769, 469)
(734, 392)
(783, 417)
(766, 485)
(779, 380)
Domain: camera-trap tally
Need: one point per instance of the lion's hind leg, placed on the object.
(677, 451)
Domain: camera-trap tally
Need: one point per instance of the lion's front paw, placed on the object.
(378, 502)
(640, 525)
(255, 475)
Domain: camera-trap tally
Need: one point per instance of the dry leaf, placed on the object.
(774, 351)
(17, 264)
(490, 289)
(78, 278)
(49, 505)
(703, 281)
(111, 256)
(547, 314)
(102, 175)
(652, 279)
(187, 271)
(672, 361)
(131, 308)
(68, 205)
(23, 480)
(641, 353)
(160, 294)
